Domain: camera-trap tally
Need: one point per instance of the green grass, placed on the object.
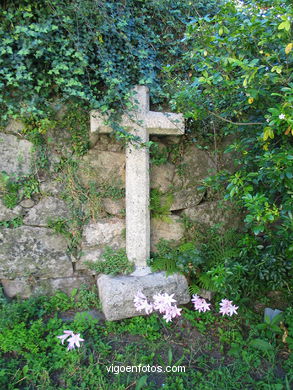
(216, 355)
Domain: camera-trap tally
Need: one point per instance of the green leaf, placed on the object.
(25, 369)
(170, 356)
(257, 229)
(74, 292)
(141, 382)
(261, 345)
(284, 25)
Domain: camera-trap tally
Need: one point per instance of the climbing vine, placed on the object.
(88, 51)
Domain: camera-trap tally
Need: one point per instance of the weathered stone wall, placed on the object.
(36, 258)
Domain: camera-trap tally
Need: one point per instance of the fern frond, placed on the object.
(206, 282)
(163, 264)
(193, 289)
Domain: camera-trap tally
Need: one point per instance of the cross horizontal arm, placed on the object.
(164, 123)
(98, 122)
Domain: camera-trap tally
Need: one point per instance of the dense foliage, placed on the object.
(235, 79)
(92, 51)
(217, 352)
(230, 75)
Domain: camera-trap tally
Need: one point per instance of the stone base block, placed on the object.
(116, 293)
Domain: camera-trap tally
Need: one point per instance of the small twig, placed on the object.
(20, 380)
(215, 146)
(132, 384)
(235, 123)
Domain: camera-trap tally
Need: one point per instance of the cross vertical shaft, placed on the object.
(137, 186)
(140, 122)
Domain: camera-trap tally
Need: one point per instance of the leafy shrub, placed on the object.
(114, 262)
(185, 258)
(234, 79)
(13, 190)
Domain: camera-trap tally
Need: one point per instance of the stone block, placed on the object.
(186, 198)
(206, 294)
(27, 203)
(91, 255)
(51, 187)
(26, 287)
(15, 155)
(117, 292)
(6, 214)
(113, 206)
(18, 287)
(48, 208)
(14, 126)
(103, 232)
(102, 167)
(162, 176)
(33, 251)
(211, 213)
(96, 235)
(195, 165)
(50, 286)
(169, 229)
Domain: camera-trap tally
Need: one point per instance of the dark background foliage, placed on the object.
(93, 51)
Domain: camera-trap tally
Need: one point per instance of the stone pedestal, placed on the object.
(117, 292)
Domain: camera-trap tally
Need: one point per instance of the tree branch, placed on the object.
(236, 123)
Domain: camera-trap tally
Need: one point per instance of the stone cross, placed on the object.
(140, 122)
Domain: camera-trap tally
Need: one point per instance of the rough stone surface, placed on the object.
(113, 206)
(51, 187)
(91, 255)
(117, 292)
(105, 142)
(33, 251)
(211, 213)
(97, 235)
(162, 176)
(137, 193)
(18, 287)
(48, 208)
(206, 294)
(103, 232)
(103, 167)
(27, 203)
(50, 286)
(6, 214)
(26, 287)
(171, 229)
(195, 165)
(186, 198)
(14, 126)
(15, 155)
